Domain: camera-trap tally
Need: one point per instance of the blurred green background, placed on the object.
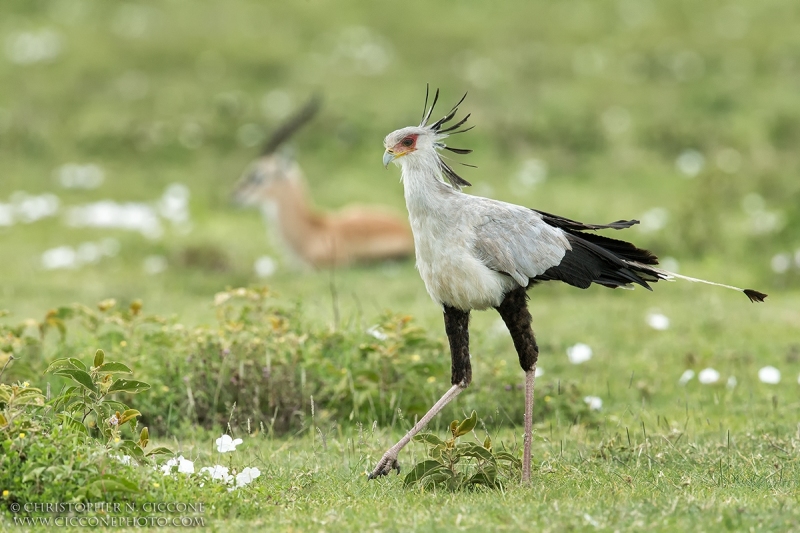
(682, 114)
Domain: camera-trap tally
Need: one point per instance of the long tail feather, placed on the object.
(753, 295)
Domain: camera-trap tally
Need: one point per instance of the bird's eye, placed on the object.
(408, 141)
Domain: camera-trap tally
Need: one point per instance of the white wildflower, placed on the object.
(376, 332)
(658, 321)
(227, 444)
(167, 467)
(686, 377)
(708, 376)
(594, 403)
(60, 257)
(731, 384)
(769, 374)
(245, 477)
(217, 472)
(579, 353)
(184, 465)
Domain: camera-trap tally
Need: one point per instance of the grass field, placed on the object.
(681, 114)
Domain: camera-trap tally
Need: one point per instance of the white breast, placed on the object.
(443, 228)
(452, 275)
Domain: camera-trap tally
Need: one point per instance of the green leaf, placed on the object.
(99, 356)
(467, 425)
(505, 456)
(453, 427)
(436, 452)
(73, 424)
(108, 483)
(138, 454)
(471, 449)
(64, 313)
(160, 450)
(429, 438)
(78, 376)
(113, 405)
(439, 477)
(128, 385)
(487, 443)
(422, 469)
(33, 474)
(487, 477)
(30, 395)
(77, 363)
(113, 368)
(58, 364)
(126, 446)
(60, 401)
(129, 414)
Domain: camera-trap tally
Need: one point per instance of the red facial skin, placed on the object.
(407, 145)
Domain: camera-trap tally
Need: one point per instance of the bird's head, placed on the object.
(421, 144)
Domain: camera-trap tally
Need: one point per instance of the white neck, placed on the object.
(422, 183)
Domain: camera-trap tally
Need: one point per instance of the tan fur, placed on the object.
(352, 235)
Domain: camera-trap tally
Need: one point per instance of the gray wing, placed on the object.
(516, 241)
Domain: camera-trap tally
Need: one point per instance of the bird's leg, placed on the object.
(456, 324)
(514, 312)
(389, 460)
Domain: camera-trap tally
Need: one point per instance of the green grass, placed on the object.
(607, 94)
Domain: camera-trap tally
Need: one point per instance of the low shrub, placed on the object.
(77, 446)
(263, 366)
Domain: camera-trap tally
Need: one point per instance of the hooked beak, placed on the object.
(388, 157)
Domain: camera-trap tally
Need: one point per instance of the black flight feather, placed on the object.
(568, 224)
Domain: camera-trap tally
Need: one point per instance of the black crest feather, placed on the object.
(450, 174)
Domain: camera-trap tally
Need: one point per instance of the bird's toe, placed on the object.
(385, 466)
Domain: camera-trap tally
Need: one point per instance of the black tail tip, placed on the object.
(755, 296)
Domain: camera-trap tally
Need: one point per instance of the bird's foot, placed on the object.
(387, 463)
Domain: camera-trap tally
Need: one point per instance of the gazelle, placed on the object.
(275, 183)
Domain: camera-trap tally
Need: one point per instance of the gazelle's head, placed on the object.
(420, 145)
(265, 178)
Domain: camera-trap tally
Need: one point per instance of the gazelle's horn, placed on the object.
(292, 124)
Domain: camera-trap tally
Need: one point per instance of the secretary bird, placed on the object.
(476, 253)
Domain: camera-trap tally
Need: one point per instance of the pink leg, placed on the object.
(389, 459)
(530, 378)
